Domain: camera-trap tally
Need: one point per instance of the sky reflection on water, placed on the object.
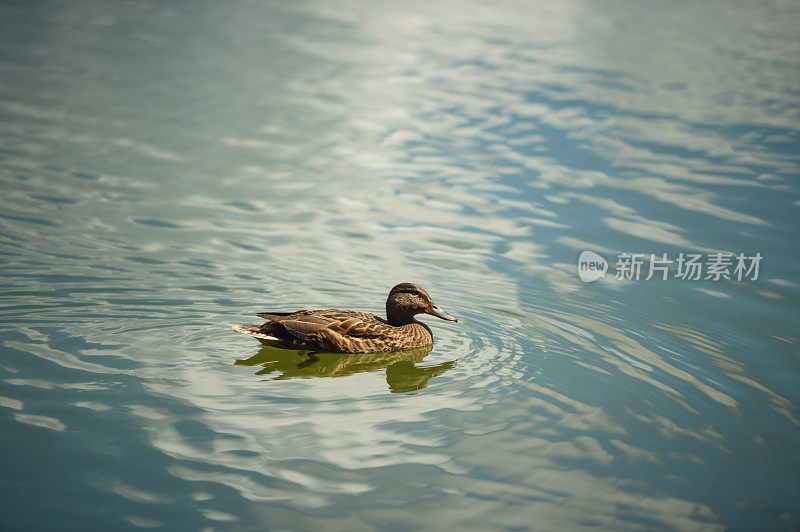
(169, 171)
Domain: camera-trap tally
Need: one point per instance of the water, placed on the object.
(169, 170)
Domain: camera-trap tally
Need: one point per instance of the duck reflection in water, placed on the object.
(402, 373)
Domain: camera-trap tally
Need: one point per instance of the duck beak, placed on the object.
(439, 313)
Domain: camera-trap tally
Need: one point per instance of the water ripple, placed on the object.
(161, 184)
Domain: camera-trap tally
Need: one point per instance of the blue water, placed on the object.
(168, 170)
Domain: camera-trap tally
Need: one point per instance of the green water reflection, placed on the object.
(403, 374)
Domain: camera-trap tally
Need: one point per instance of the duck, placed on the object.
(347, 331)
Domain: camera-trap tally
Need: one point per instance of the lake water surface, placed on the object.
(170, 169)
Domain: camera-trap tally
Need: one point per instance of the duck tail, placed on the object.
(254, 331)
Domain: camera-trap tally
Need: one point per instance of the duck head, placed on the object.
(406, 300)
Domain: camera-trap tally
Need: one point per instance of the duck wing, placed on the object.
(358, 324)
(311, 325)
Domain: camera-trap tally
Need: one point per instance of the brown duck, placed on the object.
(346, 331)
